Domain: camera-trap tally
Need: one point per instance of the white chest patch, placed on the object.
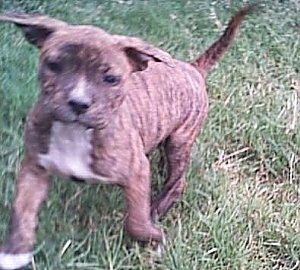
(69, 153)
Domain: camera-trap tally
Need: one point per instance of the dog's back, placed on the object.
(163, 99)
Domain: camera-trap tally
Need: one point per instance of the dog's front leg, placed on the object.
(31, 190)
(138, 193)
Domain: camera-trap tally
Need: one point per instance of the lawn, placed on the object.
(241, 208)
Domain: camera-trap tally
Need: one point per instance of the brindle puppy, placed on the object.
(107, 101)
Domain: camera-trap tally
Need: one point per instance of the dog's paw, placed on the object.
(14, 261)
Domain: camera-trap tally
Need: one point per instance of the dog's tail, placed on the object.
(216, 51)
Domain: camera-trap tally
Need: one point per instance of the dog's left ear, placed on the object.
(36, 28)
(139, 53)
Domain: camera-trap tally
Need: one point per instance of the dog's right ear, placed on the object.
(36, 28)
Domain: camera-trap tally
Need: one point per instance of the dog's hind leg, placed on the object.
(177, 153)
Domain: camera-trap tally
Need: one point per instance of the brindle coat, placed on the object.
(106, 101)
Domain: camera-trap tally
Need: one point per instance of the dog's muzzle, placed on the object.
(78, 107)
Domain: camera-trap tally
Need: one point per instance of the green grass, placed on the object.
(241, 208)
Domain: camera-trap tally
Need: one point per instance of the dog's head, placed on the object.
(83, 70)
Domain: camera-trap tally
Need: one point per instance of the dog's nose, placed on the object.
(79, 107)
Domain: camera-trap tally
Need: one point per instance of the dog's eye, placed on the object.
(54, 66)
(111, 79)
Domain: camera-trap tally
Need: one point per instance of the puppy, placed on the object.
(106, 102)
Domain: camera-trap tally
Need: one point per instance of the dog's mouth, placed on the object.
(86, 123)
(87, 120)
